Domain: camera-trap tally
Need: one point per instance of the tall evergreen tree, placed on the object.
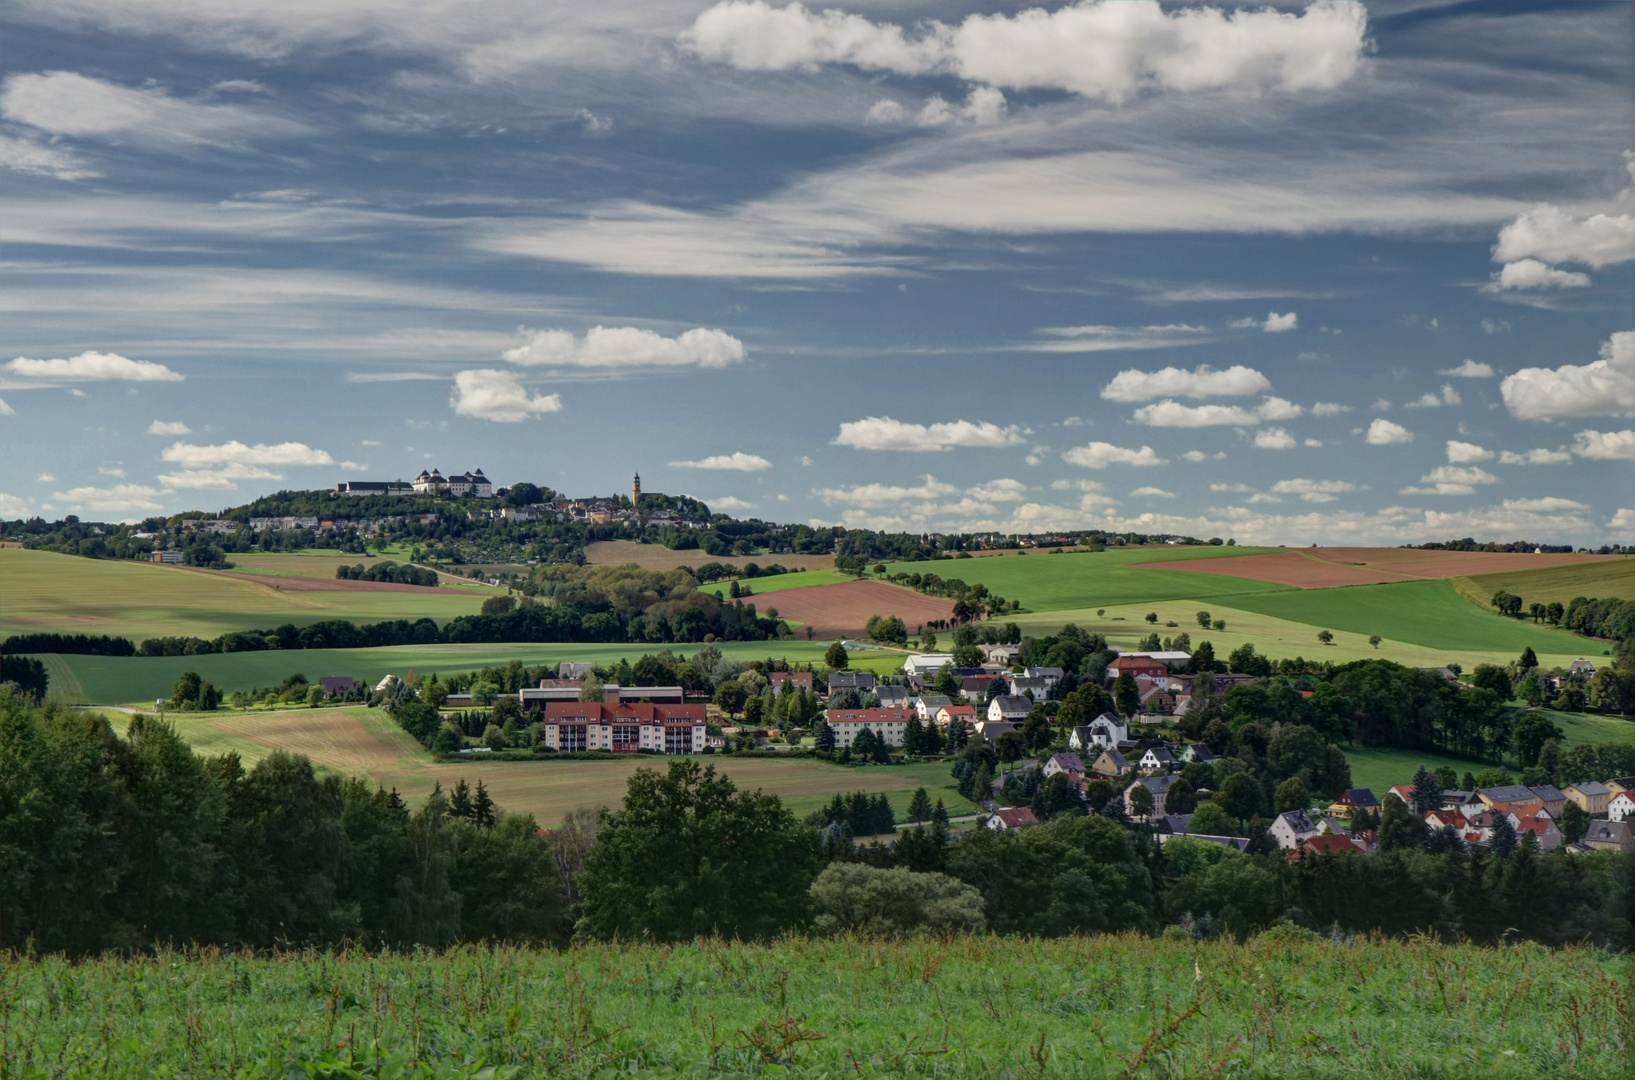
(919, 807)
(911, 735)
(1503, 841)
(482, 807)
(1427, 792)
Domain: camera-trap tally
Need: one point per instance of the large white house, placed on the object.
(925, 665)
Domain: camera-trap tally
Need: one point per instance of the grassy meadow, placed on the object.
(48, 592)
(366, 742)
(779, 582)
(995, 1008)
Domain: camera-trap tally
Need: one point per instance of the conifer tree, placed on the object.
(919, 807)
(459, 803)
(1427, 792)
(1503, 841)
(482, 807)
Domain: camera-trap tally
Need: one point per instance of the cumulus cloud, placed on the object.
(1539, 456)
(1315, 491)
(1532, 274)
(224, 478)
(1605, 445)
(1329, 408)
(884, 433)
(1094, 49)
(876, 495)
(1549, 504)
(1277, 324)
(1201, 382)
(1274, 439)
(613, 347)
(730, 502)
(1383, 432)
(1099, 455)
(13, 507)
(1622, 520)
(1464, 453)
(1605, 387)
(1449, 396)
(90, 367)
(499, 396)
(999, 491)
(191, 455)
(120, 499)
(169, 427)
(1169, 413)
(1151, 493)
(1195, 455)
(1470, 369)
(983, 106)
(1552, 235)
(1078, 485)
(1452, 480)
(736, 462)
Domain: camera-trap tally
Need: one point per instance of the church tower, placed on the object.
(636, 494)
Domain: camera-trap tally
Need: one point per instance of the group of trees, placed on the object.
(386, 570)
(77, 644)
(1609, 617)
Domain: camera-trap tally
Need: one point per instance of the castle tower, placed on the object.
(636, 494)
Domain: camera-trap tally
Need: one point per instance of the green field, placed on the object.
(106, 680)
(1431, 614)
(1612, 577)
(967, 1007)
(780, 582)
(48, 592)
(1045, 582)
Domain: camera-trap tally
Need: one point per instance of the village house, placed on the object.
(1291, 829)
(1159, 787)
(976, 687)
(1330, 843)
(1158, 759)
(781, 681)
(1196, 752)
(1011, 818)
(1551, 797)
(888, 724)
(1104, 732)
(1135, 665)
(1591, 796)
(927, 705)
(951, 714)
(1111, 764)
(861, 681)
(575, 726)
(894, 697)
(1035, 689)
(1004, 655)
(1069, 764)
(992, 730)
(1009, 707)
(1537, 824)
(1610, 836)
(1050, 675)
(1509, 793)
(1621, 806)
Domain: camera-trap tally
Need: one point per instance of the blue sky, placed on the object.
(1332, 273)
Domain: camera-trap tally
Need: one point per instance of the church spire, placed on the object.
(636, 494)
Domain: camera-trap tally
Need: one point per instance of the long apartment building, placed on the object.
(889, 724)
(624, 728)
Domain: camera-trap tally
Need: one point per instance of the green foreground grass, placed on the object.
(1093, 1007)
(111, 680)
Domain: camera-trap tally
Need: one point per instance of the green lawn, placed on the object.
(45, 591)
(1609, 577)
(1592, 727)
(1044, 582)
(1380, 769)
(1427, 613)
(117, 680)
(779, 582)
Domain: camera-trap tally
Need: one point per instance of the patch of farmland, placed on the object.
(782, 582)
(1327, 568)
(844, 609)
(1612, 575)
(658, 557)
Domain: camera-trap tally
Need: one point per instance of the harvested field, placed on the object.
(1329, 568)
(292, 583)
(655, 557)
(838, 610)
(340, 740)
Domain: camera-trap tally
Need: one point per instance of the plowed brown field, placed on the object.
(1328, 568)
(836, 610)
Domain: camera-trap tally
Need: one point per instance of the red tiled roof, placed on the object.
(1015, 817)
(1329, 843)
(639, 712)
(871, 716)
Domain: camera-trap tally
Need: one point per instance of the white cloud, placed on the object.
(885, 111)
(6, 410)
(1383, 432)
(1464, 453)
(220, 479)
(1381, 405)
(1274, 439)
(123, 498)
(498, 396)
(1539, 456)
(1173, 414)
(1490, 326)
(105, 471)
(1277, 324)
(999, 491)
(884, 433)
(736, 462)
(88, 366)
(1239, 488)
(983, 106)
(1623, 519)
(169, 427)
(1099, 455)
(190, 455)
(1201, 382)
(1605, 387)
(1264, 497)
(34, 157)
(1532, 274)
(67, 103)
(1452, 480)
(1329, 408)
(875, 495)
(1101, 338)
(729, 502)
(627, 347)
(1151, 493)
(13, 507)
(1545, 505)
(1195, 455)
(806, 461)
(592, 123)
(1078, 485)
(1449, 396)
(46, 478)
(1110, 51)
(1606, 445)
(1316, 491)
(1313, 443)
(1470, 369)
(1549, 233)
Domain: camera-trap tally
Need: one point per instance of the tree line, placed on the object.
(396, 573)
